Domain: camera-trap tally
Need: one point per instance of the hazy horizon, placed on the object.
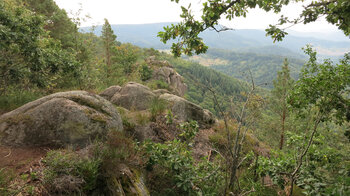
(161, 11)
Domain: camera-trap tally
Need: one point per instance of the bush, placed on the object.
(175, 165)
(145, 72)
(188, 131)
(69, 173)
(158, 84)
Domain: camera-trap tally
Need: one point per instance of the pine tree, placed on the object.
(109, 40)
(282, 84)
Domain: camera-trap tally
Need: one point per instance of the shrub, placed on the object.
(169, 117)
(175, 165)
(145, 72)
(188, 131)
(157, 107)
(177, 171)
(67, 172)
(158, 84)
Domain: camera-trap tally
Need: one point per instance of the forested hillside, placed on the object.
(86, 113)
(262, 67)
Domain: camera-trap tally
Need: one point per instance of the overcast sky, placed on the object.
(154, 11)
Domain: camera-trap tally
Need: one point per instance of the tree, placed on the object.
(125, 55)
(187, 32)
(322, 96)
(109, 41)
(28, 56)
(57, 22)
(282, 84)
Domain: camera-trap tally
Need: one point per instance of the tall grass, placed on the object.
(15, 98)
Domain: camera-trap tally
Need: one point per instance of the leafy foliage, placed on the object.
(325, 86)
(187, 31)
(187, 176)
(29, 55)
(145, 72)
(189, 131)
(309, 161)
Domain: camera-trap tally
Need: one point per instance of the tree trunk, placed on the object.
(282, 133)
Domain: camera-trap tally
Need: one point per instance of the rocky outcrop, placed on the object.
(159, 92)
(109, 92)
(171, 77)
(134, 96)
(184, 110)
(152, 60)
(61, 119)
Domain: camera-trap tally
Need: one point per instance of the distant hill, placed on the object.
(237, 64)
(249, 40)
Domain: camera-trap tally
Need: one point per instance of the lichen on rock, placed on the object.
(134, 96)
(61, 119)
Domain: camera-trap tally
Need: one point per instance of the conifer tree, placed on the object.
(109, 40)
(282, 84)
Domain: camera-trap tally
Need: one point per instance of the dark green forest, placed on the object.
(267, 124)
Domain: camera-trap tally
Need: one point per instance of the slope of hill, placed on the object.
(263, 67)
(198, 78)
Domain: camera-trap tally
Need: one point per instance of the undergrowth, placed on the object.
(157, 107)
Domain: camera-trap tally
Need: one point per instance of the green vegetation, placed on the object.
(6, 176)
(173, 166)
(198, 78)
(145, 72)
(157, 107)
(262, 67)
(67, 167)
(296, 134)
(68, 172)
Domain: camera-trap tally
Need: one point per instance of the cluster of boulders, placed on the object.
(167, 74)
(135, 96)
(78, 117)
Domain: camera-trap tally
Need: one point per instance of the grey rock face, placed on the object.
(171, 77)
(109, 92)
(152, 60)
(60, 119)
(158, 92)
(134, 96)
(184, 110)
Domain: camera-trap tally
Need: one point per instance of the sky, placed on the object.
(155, 11)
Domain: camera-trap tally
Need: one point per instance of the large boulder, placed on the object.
(110, 92)
(184, 110)
(171, 77)
(61, 119)
(134, 96)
